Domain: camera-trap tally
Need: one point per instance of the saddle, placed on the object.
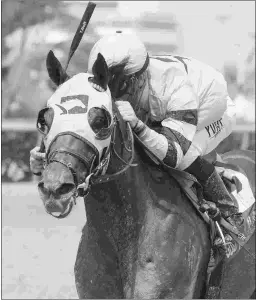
(239, 187)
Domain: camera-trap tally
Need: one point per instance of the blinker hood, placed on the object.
(71, 104)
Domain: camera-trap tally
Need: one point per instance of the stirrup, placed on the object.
(211, 209)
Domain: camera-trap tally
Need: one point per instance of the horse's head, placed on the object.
(77, 125)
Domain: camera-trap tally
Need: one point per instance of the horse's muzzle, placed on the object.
(60, 201)
(62, 212)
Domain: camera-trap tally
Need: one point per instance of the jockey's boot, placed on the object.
(218, 202)
(215, 192)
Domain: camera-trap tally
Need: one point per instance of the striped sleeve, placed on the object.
(179, 126)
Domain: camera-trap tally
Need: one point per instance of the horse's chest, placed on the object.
(162, 258)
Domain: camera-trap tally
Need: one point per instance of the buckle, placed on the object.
(83, 188)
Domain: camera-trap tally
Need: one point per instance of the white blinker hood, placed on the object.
(71, 103)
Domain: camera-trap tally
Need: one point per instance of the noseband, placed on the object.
(51, 157)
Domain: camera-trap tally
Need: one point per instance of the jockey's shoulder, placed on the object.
(167, 64)
(177, 61)
(182, 68)
(167, 73)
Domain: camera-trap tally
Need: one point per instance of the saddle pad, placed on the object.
(238, 185)
(240, 190)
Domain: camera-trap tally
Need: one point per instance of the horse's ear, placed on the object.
(55, 70)
(100, 72)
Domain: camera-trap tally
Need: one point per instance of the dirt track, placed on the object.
(38, 251)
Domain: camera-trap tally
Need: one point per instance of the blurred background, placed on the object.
(220, 33)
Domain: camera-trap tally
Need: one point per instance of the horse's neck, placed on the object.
(128, 197)
(144, 183)
(133, 217)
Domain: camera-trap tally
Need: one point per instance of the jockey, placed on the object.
(178, 107)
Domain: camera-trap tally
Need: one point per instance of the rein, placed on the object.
(107, 177)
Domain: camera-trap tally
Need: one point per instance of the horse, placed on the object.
(142, 238)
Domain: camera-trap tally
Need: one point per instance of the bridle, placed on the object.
(97, 174)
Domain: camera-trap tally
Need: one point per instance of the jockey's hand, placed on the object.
(36, 161)
(127, 112)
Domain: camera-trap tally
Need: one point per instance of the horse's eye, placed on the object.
(98, 119)
(44, 120)
(97, 124)
(42, 127)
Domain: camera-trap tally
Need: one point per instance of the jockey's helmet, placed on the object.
(121, 49)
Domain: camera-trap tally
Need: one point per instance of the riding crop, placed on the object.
(76, 41)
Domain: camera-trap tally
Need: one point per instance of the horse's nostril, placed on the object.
(42, 188)
(65, 188)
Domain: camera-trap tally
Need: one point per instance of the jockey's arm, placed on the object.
(178, 128)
